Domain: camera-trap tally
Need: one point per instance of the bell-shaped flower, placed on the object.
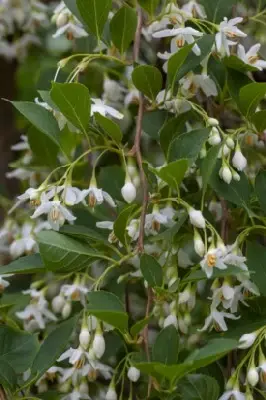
(57, 213)
(217, 319)
(213, 259)
(251, 57)
(228, 30)
(96, 196)
(182, 36)
(193, 9)
(103, 109)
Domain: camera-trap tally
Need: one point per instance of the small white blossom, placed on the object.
(226, 174)
(216, 318)
(228, 29)
(128, 191)
(196, 218)
(253, 376)
(97, 196)
(193, 9)
(251, 57)
(247, 340)
(213, 259)
(170, 320)
(182, 36)
(98, 345)
(57, 214)
(239, 161)
(133, 374)
(234, 394)
(103, 109)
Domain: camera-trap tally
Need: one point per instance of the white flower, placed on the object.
(57, 214)
(213, 258)
(133, 374)
(182, 36)
(253, 376)
(84, 337)
(30, 194)
(216, 318)
(24, 242)
(76, 395)
(196, 218)
(67, 23)
(98, 345)
(133, 229)
(187, 297)
(234, 394)
(228, 29)
(111, 394)
(97, 196)
(198, 244)
(214, 137)
(75, 291)
(154, 220)
(22, 145)
(71, 195)
(100, 107)
(170, 320)
(58, 303)
(3, 282)
(193, 9)
(239, 161)
(247, 340)
(66, 310)
(113, 91)
(226, 174)
(251, 56)
(128, 191)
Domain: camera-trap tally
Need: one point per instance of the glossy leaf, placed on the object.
(139, 326)
(148, 80)
(235, 82)
(260, 189)
(250, 97)
(95, 14)
(173, 173)
(162, 352)
(153, 121)
(53, 346)
(208, 165)
(44, 149)
(259, 120)
(175, 62)
(109, 127)
(151, 270)
(172, 128)
(200, 387)
(8, 376)
(121, 223)
(73, 100)
(216, 10)
(188, 145)
(123, 27)
(256, 260)
(64, 254)
(24, 265)
(108, 308)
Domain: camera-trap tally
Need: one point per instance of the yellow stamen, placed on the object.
(211, 260)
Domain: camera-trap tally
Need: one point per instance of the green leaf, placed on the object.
(139, 326)
(121, 223)
(53, 346)
(217, 273)
(173, 173)
(108, 308)
(72, 6)
(41, 118)
(175, 62)
(110, 127)
(153, 121)
(188, 145)
(63, 254)
(235, 81)
(260, 189)
(73, 100)
(237, 192)
(148, 80)
(216, 10)
(166, 347)
(149, 5)
(83, 232)
(236, 63)
(256, 261)
(24, 265)
(250, 97)
(199, 387)
(43, 148)
(172, 128)
(259, 120)
(95, 14)
(123, 27)
(192, 61)
(151, 270)
(208, 165)
(17, 348)
(8, 376)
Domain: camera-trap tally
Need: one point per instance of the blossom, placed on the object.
(67, 23)
(133, 374)
(75, 291)
(22, 145)
(128, 191)
(170, 320)
(233, 394)
(3, 282)
(154, 220)
(247, 340)
(213, 259)
(216, 318)
(182, 36)
(193, 9)
(198, 244)
(103, 109)
(239, 161)
(57, 213)
(191, 83)
(98, 345)
(97, 196)
(133, 229)
(76, 395)
(253, 376)
(71, 195)
(226, 174)
(30, 194)
(228, 29)
(251, 57)
(196, 218)
(24, 242)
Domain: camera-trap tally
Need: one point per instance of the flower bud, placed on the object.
(84, 338)
(253, 376)
(61, 20)
(170, 320)
(196, 218)
(133, 374)
(128, 191)
(198, 244)
(230, 143)
(226, 174)
(212, 122)
(66, 311)
(225, 150)
(84, 388)
(236, 176)
(247, 340)
(98, 345)
(58, 303)
(214, 138)
(111, 393)
(203, 152)
(239, 161)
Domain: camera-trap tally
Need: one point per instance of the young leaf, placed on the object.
(256, 260)
(108, 308)
(151, 270)
(188, 145)
(73, 100)
(148, 80)
(110, 127)
(41, 118)
(161, 351)
(24, 265)
(17, 348)
(173, 173)
(260, 189)
(200, 387)
(63, 254)
(53, 346)
(95, 14)
(175, 62)
(123, 27)
(250, 97)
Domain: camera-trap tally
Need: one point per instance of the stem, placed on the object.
(146, 336)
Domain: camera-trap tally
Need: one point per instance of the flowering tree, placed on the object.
(138, 264)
